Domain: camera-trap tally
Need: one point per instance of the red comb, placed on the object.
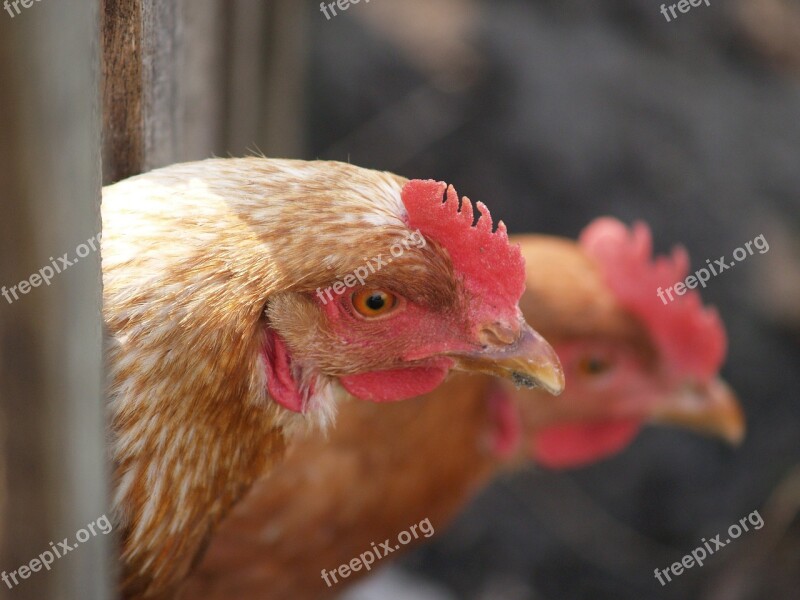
(692, 338)
(492, 269)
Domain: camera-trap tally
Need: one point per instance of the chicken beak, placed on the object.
(526, 359)
(711, 409)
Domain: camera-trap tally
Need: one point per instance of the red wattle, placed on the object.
(574, 445)
(397, 384)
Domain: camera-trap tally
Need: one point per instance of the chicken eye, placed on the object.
(374, 303)
(592, 365)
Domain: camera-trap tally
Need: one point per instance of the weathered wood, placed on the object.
(141, 115)
(188, 79)
(50, 337)
(161, 110)
(123, 136)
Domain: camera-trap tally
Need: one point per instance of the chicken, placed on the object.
(628, 360)
(241, 296)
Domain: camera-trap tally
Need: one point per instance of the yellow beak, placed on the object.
(527, 360)
(710, 409)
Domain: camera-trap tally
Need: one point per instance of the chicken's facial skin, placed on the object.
(399, 361)
(612, 391)
(615, 388)
(209, 276)
(410, 350)
(392, 357)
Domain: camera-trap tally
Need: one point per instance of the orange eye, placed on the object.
(592, 365)
(374, 303)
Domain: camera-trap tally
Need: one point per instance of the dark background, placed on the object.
(555, 112)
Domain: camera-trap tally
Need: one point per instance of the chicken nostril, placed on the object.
(497, 334)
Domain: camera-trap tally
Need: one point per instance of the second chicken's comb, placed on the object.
(491, 267)
(691, 336)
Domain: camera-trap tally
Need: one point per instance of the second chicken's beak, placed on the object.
(525, 358)
(710, 408)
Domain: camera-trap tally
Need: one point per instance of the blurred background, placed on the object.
(553, 113)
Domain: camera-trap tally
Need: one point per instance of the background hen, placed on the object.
(222, 342)
(380, 471)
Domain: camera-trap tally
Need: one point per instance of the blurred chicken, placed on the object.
(224, 336)
(628, 359)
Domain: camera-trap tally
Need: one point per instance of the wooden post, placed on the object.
(141, 114)
(53, 429)
(188, 79)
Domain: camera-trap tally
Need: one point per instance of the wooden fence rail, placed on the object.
(50, 337)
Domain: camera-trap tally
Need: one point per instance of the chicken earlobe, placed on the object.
(281, 381)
